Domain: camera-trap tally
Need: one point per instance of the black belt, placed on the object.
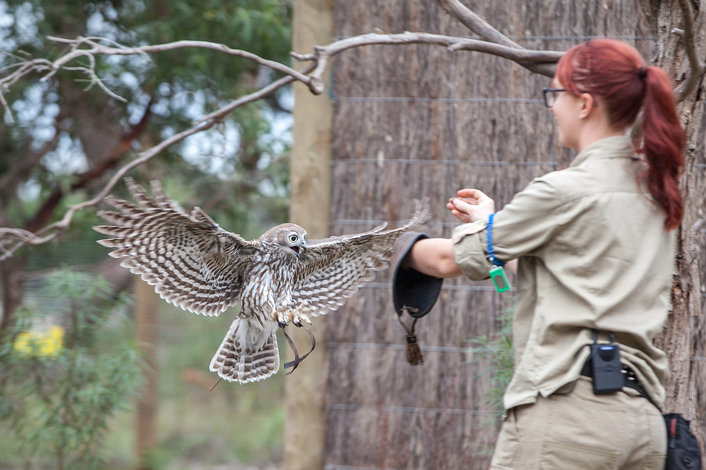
(629, 379)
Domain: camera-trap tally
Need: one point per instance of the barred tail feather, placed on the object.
(246, 354)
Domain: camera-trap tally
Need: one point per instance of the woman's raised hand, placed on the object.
(471, 205)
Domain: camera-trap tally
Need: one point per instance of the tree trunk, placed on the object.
(12, 278)
(147, 304)
(683, 337)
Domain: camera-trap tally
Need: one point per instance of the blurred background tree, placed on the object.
(61, 140)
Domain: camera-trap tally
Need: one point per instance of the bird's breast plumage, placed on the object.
(268, 287)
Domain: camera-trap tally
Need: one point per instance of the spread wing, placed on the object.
(191, 261)
(333, 269)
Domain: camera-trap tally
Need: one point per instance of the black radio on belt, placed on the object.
(605, 366)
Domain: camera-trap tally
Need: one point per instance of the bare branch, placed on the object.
(323, 54)
(83, 47)
(97, 49)
(697, 66)
(11, 239)
(486, 32)
(88, 48)
(521, 56)
(224, 111)
(93, 79)
(475, 23)
(22, 68)
(491, 42)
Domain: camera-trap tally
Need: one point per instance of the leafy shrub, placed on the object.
(498, 352)
(65, 373)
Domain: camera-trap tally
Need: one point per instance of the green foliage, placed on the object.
(57, 398)
(238, 172)
(233, 422)
(497, 351)
(61, 129)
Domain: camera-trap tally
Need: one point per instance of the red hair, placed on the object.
(616, 74)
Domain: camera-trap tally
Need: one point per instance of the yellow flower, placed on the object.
(40, 343)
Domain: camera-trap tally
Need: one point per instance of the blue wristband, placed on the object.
(489, 242)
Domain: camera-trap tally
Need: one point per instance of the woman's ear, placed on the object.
(586, 105)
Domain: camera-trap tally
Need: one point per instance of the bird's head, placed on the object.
(291, 237)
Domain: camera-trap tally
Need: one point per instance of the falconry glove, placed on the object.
(413, 292)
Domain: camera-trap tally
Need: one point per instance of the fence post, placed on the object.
(310, 208)
(146, 331)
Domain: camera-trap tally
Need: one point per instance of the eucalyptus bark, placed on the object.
(683, 336)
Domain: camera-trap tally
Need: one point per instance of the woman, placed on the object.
(594, 245)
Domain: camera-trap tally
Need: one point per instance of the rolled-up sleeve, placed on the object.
(469, 250)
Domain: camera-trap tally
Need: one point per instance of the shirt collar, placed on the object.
(610, 147)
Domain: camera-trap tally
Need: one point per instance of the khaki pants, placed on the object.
(583, 431)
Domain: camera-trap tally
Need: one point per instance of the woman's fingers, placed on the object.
(472, 193)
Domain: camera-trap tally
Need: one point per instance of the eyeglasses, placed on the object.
(550, 95)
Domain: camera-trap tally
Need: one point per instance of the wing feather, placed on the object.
(191, 261)
(333, 269)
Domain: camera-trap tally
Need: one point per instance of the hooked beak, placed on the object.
(299, 250)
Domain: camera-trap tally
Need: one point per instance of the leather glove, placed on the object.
(412, 291)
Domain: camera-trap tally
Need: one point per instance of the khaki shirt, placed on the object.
(592, 253)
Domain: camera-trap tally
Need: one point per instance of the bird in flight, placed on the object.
(279, 278)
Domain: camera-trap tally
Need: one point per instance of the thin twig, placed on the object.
(89, 48)
(98, 49)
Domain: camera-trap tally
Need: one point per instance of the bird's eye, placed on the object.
(293, 237)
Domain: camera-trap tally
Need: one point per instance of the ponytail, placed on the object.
(663, 145)
(614, 72)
